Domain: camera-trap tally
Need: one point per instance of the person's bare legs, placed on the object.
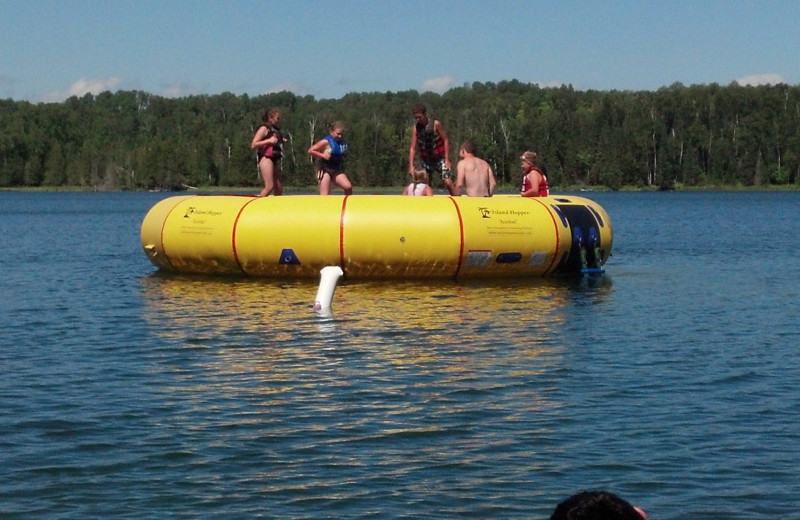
(343, 182)
(267, 169)
(448, 183)
(324, 183)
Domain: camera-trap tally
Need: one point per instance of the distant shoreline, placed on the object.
(388, 190)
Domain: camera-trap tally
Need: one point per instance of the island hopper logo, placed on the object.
(200, 217)
(192, 211)
(489, 213)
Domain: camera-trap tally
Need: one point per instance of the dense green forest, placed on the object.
(700, 135)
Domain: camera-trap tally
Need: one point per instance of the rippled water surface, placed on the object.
(672, 380)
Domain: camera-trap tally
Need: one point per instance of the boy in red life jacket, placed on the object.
(429, 142)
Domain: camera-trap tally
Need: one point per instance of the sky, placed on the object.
(51, 50)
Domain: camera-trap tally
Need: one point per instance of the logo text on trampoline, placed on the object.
(204, 212)
(489, 213)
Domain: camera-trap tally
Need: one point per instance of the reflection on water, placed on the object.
(442, 313)
(269, 328)
(406, 387)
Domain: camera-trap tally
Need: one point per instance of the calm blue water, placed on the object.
(673, 380)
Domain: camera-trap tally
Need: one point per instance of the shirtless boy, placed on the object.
(474, 173)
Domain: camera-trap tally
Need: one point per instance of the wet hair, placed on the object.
(595, 505)
(268, 113)
(468, 146)
(419, 108)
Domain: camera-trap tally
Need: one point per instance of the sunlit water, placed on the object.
(671, 380)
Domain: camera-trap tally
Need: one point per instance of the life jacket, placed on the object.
(273, 151)
(544, 190)
(429, 143)
(338, 152)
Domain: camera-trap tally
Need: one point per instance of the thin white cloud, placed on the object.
(85, 86)
(438, 85)
(548, 84)
(179, 90)
(761, 79)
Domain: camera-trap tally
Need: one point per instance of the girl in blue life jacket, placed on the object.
(330, 152)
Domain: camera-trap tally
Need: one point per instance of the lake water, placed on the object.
(673, 379)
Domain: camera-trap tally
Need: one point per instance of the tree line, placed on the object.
(699, 135)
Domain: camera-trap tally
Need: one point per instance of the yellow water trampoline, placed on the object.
(373, 237)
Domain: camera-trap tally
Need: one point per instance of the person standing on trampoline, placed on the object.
(430, 145)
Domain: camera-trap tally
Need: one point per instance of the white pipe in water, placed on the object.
(329, 276)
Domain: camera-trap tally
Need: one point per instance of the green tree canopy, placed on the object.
(696, 135)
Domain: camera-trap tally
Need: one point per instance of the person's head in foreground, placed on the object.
(596, 505)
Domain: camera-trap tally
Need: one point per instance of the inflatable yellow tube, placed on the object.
(377, 236)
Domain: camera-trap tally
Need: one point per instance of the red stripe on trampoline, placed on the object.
(233, 236)
(461, 239)
(341, 234)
